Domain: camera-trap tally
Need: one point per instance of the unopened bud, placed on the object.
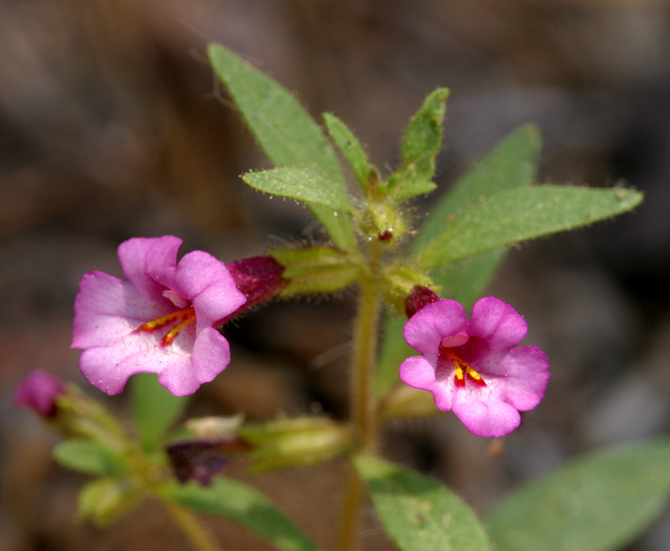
(418, 298)
(259, 278)
(39, 391)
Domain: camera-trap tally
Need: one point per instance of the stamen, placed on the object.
(460, 368)
(186, 316)
(160, 322)
(172, 335)
(460, 379)
(476, 377)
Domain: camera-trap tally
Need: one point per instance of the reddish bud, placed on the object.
(418, 298)
(38, 392)
(259, 278)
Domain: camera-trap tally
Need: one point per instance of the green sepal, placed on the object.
(413, 188)
(366, 173)
(284, 130)
(420, 145)
(308, 185)
(521, 214)
(295, 442)
(316, 270)
(105, 500)
(418, 513)
(88, 456)
(399, 280)
(383, 221)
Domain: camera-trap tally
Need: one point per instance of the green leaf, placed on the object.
(412, 188)
(513, 163)
(304, 184)
(601, 501)
(393, 351)
(285, 131)
(155, 409)
(88, 456)
(352, 150)
(245, 506)
(420, 514)
(466, 280)
(521, 214)
(420, 146)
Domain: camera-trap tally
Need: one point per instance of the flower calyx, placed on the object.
(316, 269)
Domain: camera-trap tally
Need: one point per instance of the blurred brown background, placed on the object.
(111, 126)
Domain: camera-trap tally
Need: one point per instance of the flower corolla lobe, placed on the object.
(471, 367)
(159, 320)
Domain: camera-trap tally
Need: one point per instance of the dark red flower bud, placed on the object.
(38, 391)
(259, 278)
(418, 298)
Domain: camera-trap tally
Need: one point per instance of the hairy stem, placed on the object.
(364, 410)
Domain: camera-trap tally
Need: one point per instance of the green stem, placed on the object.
(200, 538)
(363, 405)
(364, 411)
(350, 524)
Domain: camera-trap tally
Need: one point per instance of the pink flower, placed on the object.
(471, 367)
(162, 319)
(38, 391)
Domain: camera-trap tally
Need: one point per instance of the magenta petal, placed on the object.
(107, 308)
(417, 372)
(211, 355)
(524, 373)
(425, 329)
(207, 283)
(497, 322)
(149, 263)
(488, 419)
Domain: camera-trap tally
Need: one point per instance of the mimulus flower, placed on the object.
(471, 367)
(162, 319)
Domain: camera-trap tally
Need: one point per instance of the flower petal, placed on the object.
(210, 356)
(417, 372)
(108, 367)
(488, 419)
(523, 374)
(106, 309)
(425, 329)
(150, 263)
(497, 322)
(207, 283)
